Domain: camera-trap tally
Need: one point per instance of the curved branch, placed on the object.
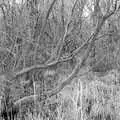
(25, 99)
(25, 70)
(56, 90)
(92, 39)
(111, 12)
(75, 72)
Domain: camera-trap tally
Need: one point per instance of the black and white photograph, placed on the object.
(59, 59)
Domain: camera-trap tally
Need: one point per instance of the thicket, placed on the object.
(60, 60)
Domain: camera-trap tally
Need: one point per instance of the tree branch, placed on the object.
(80, 63)
(76, 70)
(58, 49)
(25, 70)
(43, 28)
(92, 39)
